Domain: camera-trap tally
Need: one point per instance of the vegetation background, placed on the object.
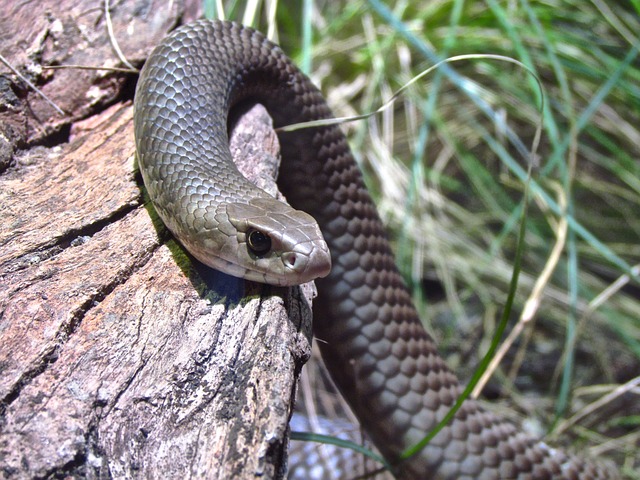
(447, 165)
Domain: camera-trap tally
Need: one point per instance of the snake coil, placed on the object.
(378, 353)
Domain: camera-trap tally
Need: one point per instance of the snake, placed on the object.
(374, 344)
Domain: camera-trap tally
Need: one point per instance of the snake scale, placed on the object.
(379, 355)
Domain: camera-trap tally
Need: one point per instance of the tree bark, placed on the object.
(120, 355)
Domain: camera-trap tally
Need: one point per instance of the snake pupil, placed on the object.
(259, 243)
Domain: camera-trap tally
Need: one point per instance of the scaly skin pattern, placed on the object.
(378, 353)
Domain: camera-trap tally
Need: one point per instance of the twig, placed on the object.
(617, 392)
(32, 86)
(112, 37)
(533, 302)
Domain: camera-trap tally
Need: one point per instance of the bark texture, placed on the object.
(120, 356)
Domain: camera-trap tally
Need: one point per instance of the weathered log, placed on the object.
(120, 356)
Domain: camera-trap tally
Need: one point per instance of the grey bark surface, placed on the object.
(120, 356)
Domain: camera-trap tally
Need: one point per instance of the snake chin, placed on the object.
(283, 269)
(287, 263)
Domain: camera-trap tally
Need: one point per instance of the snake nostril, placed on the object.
(290, 260)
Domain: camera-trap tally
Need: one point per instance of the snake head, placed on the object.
(267, 241)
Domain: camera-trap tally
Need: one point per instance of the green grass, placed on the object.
(446, 167)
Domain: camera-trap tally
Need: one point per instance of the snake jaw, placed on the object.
(286, 267)
(298, 252)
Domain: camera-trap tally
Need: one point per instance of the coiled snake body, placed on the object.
(374, 345)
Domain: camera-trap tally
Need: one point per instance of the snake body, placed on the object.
(376, 349)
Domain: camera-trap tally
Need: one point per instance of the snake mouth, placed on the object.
(294, 267)
(304, 263)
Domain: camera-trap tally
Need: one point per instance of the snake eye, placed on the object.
(259, 243)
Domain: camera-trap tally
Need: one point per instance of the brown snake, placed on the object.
(378, 353)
